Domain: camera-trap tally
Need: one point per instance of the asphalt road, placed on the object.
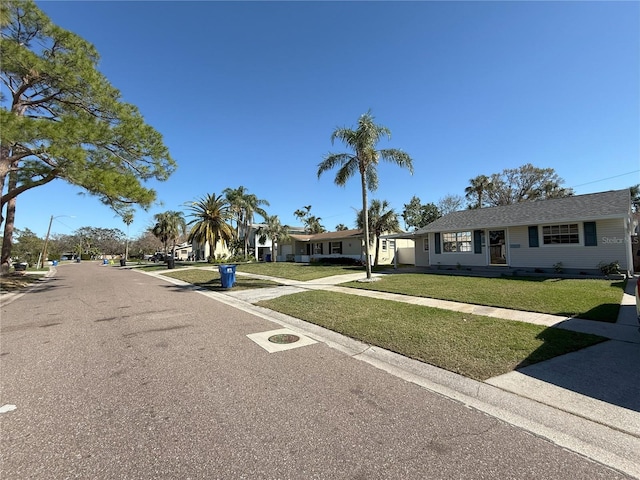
(116, 374)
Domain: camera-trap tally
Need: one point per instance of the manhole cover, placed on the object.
(284, 338)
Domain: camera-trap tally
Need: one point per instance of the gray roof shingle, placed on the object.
(593, 206)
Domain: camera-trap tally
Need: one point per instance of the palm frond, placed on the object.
(399, 157)
(332, 160)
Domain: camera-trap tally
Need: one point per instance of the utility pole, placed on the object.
(44, 249)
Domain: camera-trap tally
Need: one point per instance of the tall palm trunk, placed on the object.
(246, 238)
(377, 254)
(365, 202)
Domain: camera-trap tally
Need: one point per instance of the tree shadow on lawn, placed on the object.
(590, 365)
(34, 285)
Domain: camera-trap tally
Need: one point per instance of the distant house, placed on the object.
(183, 251)
(574, 233)
(307, 247)
(202, 251)
(262, 251)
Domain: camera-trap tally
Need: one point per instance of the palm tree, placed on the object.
(234, 197)
(210, 216)
(381, 219)
(169, 226)
(340, 227)
(364, 160)
(478, 186)
(127, 218)
(244, 206)
(251, 207)
(274, 230)
(312, 224)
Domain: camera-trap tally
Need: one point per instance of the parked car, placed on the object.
(157, 257)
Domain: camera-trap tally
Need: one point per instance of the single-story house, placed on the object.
(307, 247)
(576, 233)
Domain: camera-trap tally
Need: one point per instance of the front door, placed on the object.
(497, 247)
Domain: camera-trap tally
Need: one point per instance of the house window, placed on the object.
(384, 245)
(456, 242)
(425, 244)
(336, 248)
(560, 234)
(317, 248)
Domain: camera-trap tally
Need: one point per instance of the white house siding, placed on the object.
(385, 257)
(421, 257)
(285, 251)
(613, 243)
(406, 255)
(469, 259)
(405, 251)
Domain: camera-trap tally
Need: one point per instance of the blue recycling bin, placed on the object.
(227, 275)
(55, 263)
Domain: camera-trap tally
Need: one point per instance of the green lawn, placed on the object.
(585, 298)
(210, 279)
(296, 271)
(474, 346)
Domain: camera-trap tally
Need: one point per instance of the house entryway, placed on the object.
(497, 247)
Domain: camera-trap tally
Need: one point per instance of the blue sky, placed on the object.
(248, 93)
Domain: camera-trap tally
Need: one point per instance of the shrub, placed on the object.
(609, 268)
(338, 261)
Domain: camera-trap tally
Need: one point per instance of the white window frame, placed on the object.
(332, 245)
(317, 248)
(461, 240)
(425, 244)
(383, 245)
(569, 233)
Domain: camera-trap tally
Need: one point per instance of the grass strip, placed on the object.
(477, 347)
(210, 279)
(297, 271)
(584, 298)
(15, 281)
